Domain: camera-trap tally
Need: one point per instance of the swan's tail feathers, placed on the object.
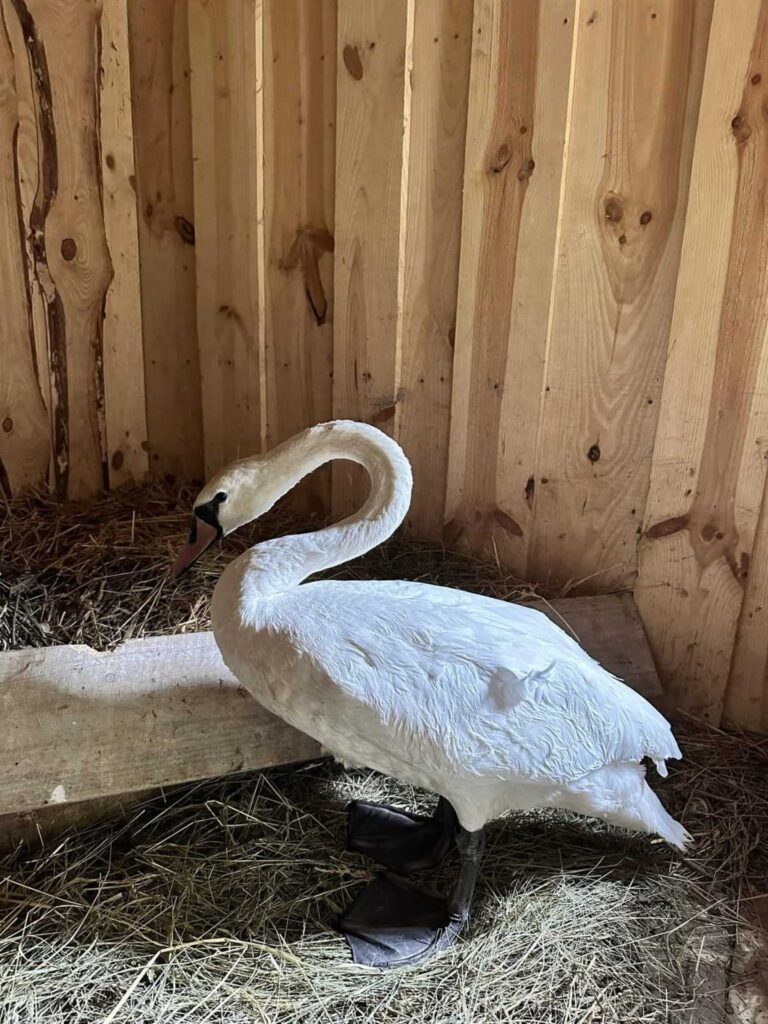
(619, 793)
(658, 820)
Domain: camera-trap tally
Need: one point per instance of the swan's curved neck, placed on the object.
(278, 565)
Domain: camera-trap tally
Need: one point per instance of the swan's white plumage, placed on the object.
(489, 704)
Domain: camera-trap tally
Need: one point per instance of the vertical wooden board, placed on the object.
(638, 69)
(124, 400)
(518, 104)
(225, 42)
(72, 260)
(29, 154)
(746, 701)
(372, 132)
(162, 127)
(442, 38)
(24, 435)
(707, 479)
(299, 163)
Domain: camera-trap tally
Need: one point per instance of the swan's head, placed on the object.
(240, 493)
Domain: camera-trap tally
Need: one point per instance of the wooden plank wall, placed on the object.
(527, 239)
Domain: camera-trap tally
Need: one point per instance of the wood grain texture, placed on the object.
(518, 103)
(150, 713)
(636, 90)
(226, 52)
(25, 443)
(374, 54)
(164, 710)
(299, 186)
(72, 262)
(28, 175)
(124, 398)
(709, 463)
(746, 700)
(162, 126)
(442, 38)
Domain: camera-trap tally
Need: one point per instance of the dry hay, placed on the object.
(214, 902)
(97, 573)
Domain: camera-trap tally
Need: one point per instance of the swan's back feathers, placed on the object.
(463, 684)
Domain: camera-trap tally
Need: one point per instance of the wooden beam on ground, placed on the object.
(81, 725)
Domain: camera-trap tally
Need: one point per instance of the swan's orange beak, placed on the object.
(200, 539)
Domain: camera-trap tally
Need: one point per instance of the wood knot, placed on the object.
(68, 249)
(667, 527)
(109, 160)
(186, 230)
(117, 460)
(352, 62)
(506, 522)
(646, 217)
(594, 453)
(7, 424)
(383, 415)
(502, 158)
(710, 532)
(614, 209)
(530, 490)
(756, 79)
(740, 129)
(525, 172)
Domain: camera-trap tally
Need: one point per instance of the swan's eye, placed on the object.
(220, 497)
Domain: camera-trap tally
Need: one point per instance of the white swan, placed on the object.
(488, 704)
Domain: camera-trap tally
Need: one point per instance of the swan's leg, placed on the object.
(400, 841)
(394, 924)
(471, 847)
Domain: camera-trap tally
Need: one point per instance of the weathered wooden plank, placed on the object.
(71, 256)
(518, 104)
(638, 69)
(124, 398)
(166, 710)
(708, 473)
(299, 165)
(150, 713)
(28, 175)
(372, 131)
(25, 443)
(162, 125)
(225, 45)
(442, 39)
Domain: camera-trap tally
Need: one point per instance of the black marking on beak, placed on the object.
(205, 529)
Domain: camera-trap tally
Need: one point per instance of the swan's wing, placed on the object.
(481, 686)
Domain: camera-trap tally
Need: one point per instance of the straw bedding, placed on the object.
(214, 901)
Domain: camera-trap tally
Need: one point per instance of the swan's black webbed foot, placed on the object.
(394, 924)
(400, 841)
